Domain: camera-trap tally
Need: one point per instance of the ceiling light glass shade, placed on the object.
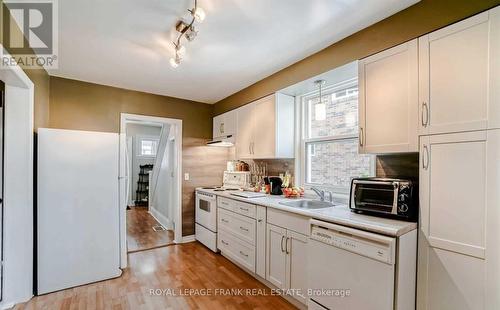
(320, 111)
(174, 62)
(191, 33)
(199, 14)
(181, 51)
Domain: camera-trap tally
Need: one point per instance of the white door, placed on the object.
(78, 208)
(244, 139)
(264, 141)
(457, 64)
(388, 100)
(453, 208)
(296, 264)
(276, 256)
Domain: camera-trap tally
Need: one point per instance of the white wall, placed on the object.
(134, 131)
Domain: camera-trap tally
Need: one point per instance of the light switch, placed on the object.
(186, 176)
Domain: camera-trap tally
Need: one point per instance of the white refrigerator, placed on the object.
(78, 239)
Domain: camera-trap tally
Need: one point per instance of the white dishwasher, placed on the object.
(351, 269)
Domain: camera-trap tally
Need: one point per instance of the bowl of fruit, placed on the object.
(293, 192)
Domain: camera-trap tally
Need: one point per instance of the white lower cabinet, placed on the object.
(459, 243)
(296, 264)
(287, 260)
(276, 256)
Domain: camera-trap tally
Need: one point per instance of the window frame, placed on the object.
(141, 138)
(303, 140)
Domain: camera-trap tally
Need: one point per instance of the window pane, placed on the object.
(337, 114)
(148, 147)
(335, 163)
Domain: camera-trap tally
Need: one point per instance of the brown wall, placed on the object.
(419, 19)
(40, 79)
(86, 106)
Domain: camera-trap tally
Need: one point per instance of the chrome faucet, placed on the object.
(323, 194)
(319, 192)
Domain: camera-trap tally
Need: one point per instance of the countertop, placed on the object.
(338, 214)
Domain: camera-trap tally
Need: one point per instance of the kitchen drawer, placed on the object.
(236, 250)
(238, 225)
(236, 206)
(291, 221)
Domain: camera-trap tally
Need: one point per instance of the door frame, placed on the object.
(126, 118)
(18, 254)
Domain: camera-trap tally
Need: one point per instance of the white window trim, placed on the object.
(301, 140)
(138, 145)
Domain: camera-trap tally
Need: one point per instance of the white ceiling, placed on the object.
(127, 43)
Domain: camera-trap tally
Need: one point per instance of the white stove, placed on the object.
(206, 206)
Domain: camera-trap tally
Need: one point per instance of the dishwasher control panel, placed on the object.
(379, 247)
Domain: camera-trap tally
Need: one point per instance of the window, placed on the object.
(330, 139)
(147, 147)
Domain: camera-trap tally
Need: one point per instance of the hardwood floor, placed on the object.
(140, 233)
(165, 271)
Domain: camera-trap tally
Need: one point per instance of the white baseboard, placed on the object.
(165, 222)
(187, 239)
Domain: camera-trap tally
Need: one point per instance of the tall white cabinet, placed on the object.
(265, 128)
(388, 100)
(459, 238)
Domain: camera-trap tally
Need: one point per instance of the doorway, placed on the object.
(150, 196)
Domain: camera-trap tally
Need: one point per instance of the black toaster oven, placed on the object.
(385, 197)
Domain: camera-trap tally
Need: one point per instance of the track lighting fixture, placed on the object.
(188, 31)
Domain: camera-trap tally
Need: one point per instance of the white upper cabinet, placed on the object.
(224, 124)
(459, 71)
(266, 128)
(388, 100)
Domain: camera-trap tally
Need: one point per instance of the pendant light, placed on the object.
(320, 107)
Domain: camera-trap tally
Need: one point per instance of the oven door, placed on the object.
(375, 196)
(206, 211)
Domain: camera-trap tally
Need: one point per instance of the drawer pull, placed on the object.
(224, 203)
(224, 242)
(224, 221)
(243, 228)
(244, 209)
(242, 253)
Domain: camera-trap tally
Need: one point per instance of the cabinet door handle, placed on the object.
(224, 242)
(425, 158)
(250, 148)
(242, 253)
(224, 221)
(361, 136)
(221, 128)
(282, 250)
(425, 114)
(244, 209)
(243, 228)
(286, 246)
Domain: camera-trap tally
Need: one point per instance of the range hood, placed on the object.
(224, 141)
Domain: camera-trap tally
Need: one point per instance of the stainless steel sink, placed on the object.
(308, 204)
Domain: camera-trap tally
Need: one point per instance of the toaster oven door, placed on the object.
(375, 196)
